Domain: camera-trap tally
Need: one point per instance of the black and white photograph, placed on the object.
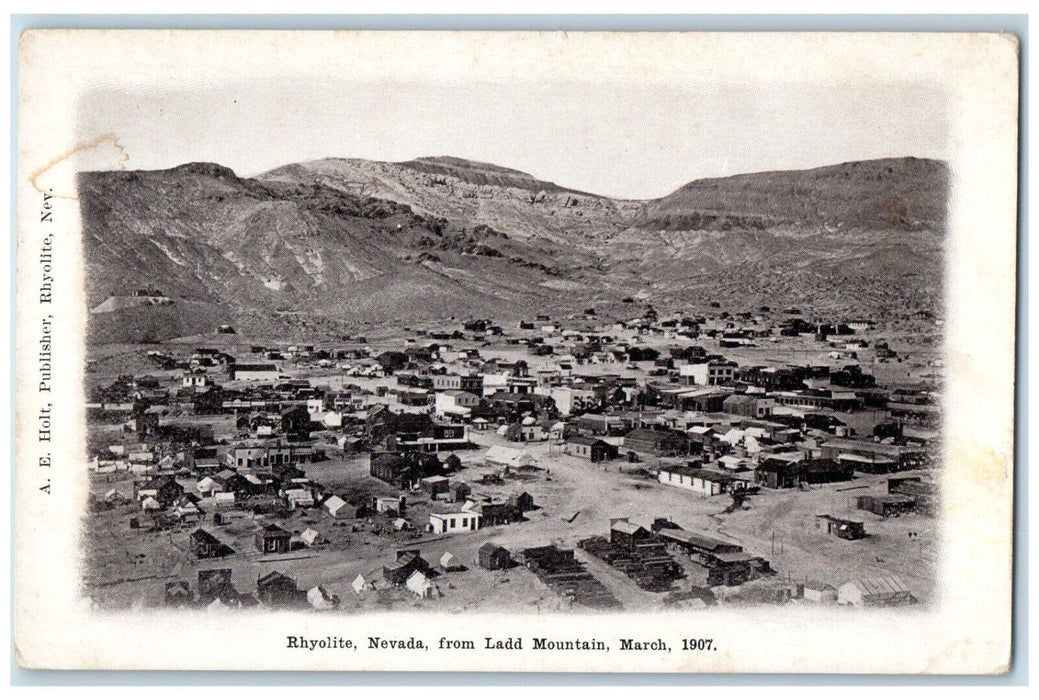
(570, 329)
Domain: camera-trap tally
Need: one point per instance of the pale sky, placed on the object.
(628, 139)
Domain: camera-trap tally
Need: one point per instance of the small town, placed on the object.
(571, 462)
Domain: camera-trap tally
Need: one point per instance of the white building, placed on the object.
(701, 481)
(492, 383)
(567, 399)
(332, 420)
(384, 504)
(818, 592)
(454, 403)
(224, 499)
(881, 591)
(197, 381)
(708, 373)
(443, 523)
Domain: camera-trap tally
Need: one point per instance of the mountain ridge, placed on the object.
(348, 241)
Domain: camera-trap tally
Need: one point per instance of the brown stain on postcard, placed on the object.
(102, 153)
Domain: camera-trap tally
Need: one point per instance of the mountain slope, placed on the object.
(510, 202)
(327, 245)
(900, 193)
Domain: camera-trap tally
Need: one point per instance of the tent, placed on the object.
(114, 496)
(299, 497)
(339, 508)
(509, 456)
(320, 598)
(207, 486)
(185, 508)
(421, 586)
(310, 537)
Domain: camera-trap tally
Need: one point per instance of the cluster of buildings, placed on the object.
(219, 589)
(646, 390)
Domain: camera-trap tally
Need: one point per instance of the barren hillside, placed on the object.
(326, 245)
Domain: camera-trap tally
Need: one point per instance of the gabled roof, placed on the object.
(204, 536)
(405, 560)
(274, 577)
(417, 578)
(881, 586)
(188, 501)
(459, 393)
(387, 458)
(274, 529)
(588, 441)
(627, 527)
(160, 481)
(507, 455)
(692, 538)
(334, 502)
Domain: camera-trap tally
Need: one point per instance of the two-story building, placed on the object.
(709, 372)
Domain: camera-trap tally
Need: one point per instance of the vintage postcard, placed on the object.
(515, 351)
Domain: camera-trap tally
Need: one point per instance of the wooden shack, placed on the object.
(493, 557)
(273, 539)
(839, 527)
